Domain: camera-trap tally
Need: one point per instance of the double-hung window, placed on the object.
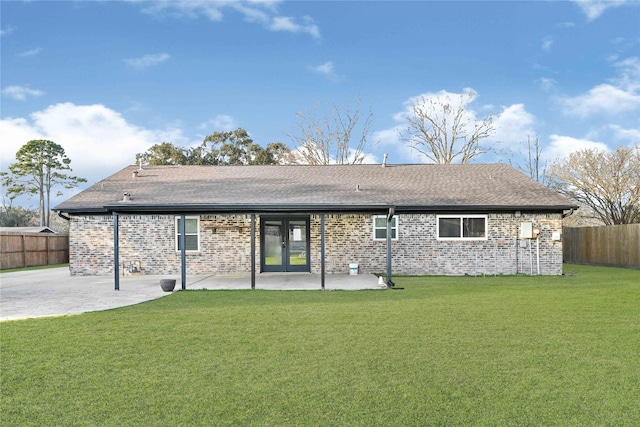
(380, 227)
(462, 227)
(191, 235)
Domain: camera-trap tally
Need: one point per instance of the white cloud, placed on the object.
(604, 98)
(21, 93)
(547, 42)
(327, 69)
(594, 8)
(30, 52)
(147, 61)
(629, 74)
(513, 125)
(293, 25)
(621, 95)
(220, 123)
(631, 135)
(97, 139)
(263, 12)
(548, 84)
(182, 8)
(565, 24)
(561, 146)
(6, 31)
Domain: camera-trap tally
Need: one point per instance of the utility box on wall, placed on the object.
(526, 230)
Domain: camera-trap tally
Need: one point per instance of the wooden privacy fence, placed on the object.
(614, 245)
(30, 250)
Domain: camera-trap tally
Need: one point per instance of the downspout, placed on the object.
(66, 218)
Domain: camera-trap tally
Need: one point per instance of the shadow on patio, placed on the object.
(283, 281)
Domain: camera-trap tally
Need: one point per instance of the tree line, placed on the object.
(605, 184)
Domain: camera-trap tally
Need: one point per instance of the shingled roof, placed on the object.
(303, 188)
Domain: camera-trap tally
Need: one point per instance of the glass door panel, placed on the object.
(297, 246)
(273, 245)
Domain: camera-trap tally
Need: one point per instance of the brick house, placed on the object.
(431, 219)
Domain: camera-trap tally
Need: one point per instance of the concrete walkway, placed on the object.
(54, 292)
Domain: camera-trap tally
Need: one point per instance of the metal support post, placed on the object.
(116, 255)
(183, 250)
(253, 251)
(322, 251)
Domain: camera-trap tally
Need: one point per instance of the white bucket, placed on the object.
(353, 269)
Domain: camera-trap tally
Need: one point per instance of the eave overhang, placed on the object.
(175, 209)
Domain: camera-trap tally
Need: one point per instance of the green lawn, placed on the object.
(444, 351)
(39, 267)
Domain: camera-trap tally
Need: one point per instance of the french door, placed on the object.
(284, 244)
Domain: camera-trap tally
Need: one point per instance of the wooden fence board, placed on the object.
(31, 250)
(614, 245)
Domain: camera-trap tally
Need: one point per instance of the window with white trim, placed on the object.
(191, 235)
(462, 227)
(380, 227)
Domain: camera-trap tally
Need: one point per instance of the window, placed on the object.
(380, 227)
(192, 233)
(467, 227)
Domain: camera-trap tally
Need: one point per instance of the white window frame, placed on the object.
(394, 226)
(177, 233)
(461, 218)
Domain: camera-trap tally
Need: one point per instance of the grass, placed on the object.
(293, 260)
(445, 351)
(38, 267)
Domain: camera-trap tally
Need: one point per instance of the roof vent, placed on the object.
(358, 187)
(384, 160)
(126, 197)
(135, 174)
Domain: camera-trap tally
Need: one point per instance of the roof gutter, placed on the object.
(247, 208)
(244, 208)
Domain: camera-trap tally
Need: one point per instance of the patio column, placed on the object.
(253, 251)
(183, 250)
(389, 218)
(322, 251)
(116, 254)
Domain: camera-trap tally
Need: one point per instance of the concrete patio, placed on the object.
(54, 292)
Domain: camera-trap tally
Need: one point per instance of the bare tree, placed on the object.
(16, 216)
(444, 131)
(608, 183)
(340, 137)
(534, 153)
(534, 166)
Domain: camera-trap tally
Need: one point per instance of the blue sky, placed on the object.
(108, 79)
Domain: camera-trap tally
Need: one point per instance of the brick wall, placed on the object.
(148, 244)
(417, 251)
